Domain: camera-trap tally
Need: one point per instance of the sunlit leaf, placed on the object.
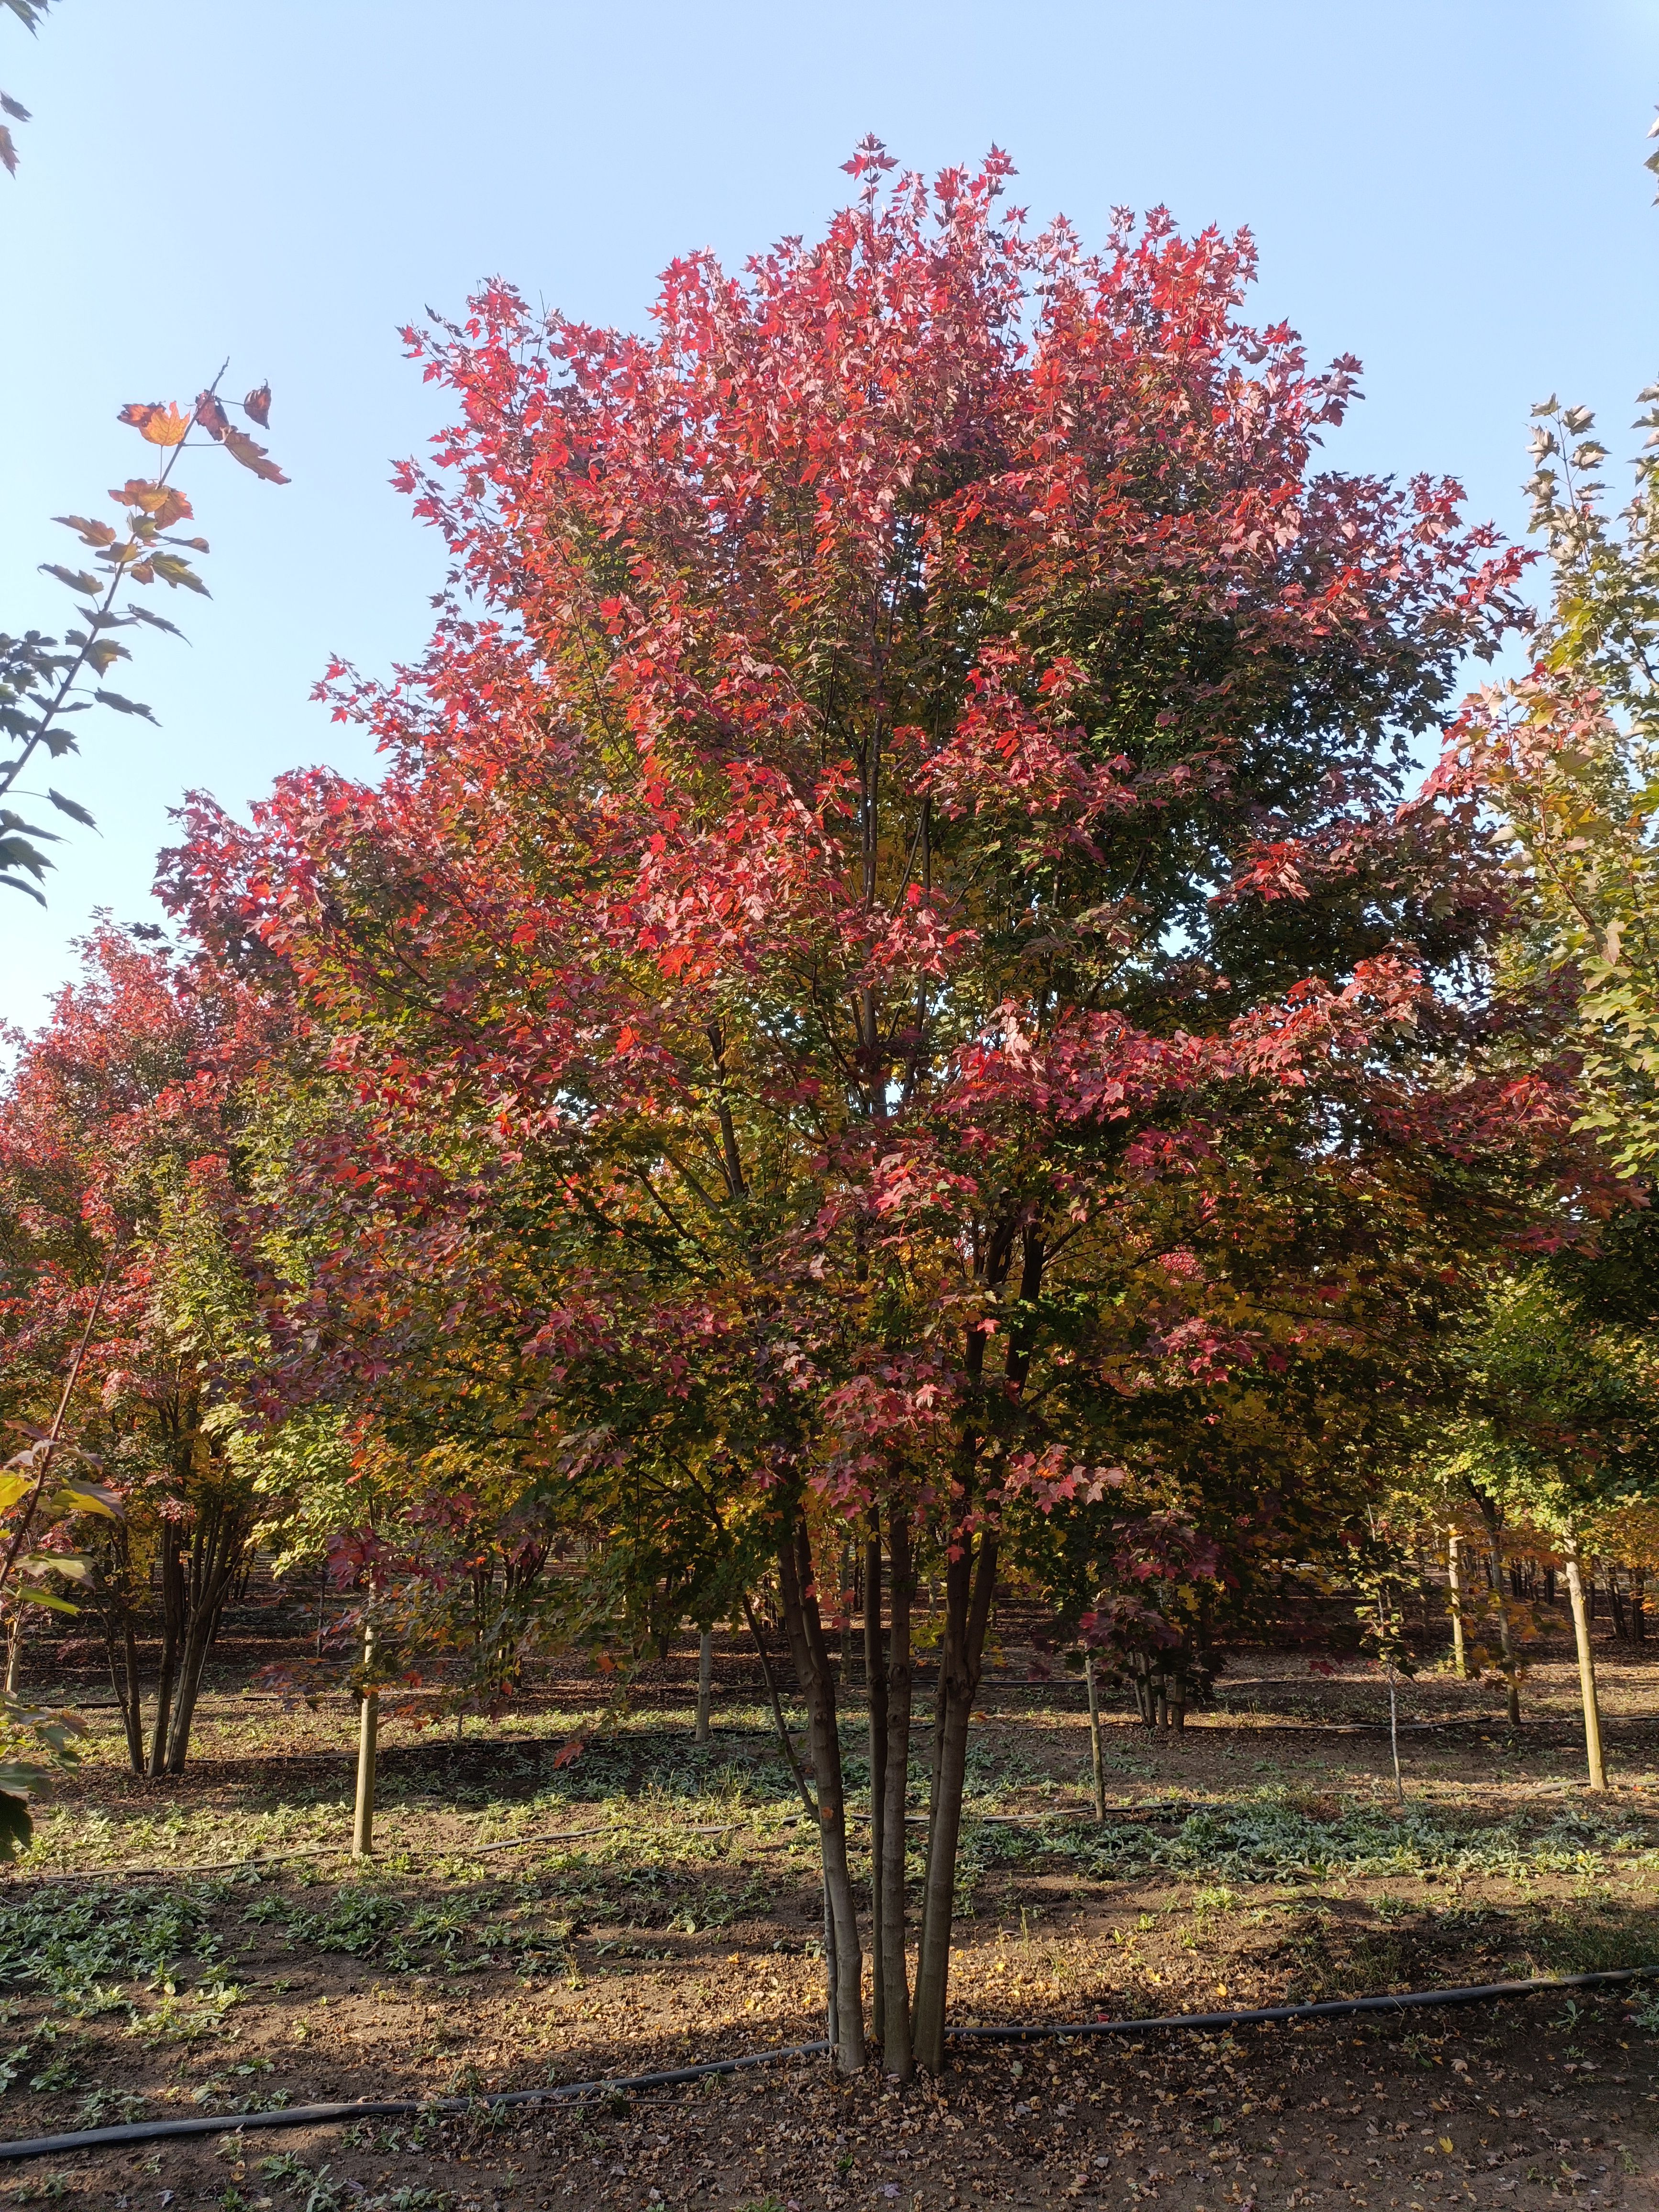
(243, 448)
(160, 425)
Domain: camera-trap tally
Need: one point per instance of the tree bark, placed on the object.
(1454, 1596)
(969, 1582)
(1598, 1777)
(705, 1683)
(215, 1557)
(368, 1731)
(1096, 1754)
(875, 1679)
(897, 2056)
(172, 1566)
(1489, 1513)
(810, 1649)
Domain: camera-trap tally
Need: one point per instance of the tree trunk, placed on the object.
(705, 1683)
(172, 1566)
(1489, 1513)
(810, 1649)
(875, 1679)
(897, 2056)
(215, 1556)
(969, 1582)
(195, 1589)
(1096, 1754)
(1638, 1603)
(1598, 1777)
(1615, 1599)
(1455, 1600)
(368, 1732)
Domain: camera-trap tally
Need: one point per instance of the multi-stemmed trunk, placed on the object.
(810, 1649)
(115, 1597)
(196, 1585)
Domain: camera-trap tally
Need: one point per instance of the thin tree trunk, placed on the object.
(705, 1683)
(368, 1733)
(814, 1668)
(1455, 1598)
(875, 1677)
(1598, 1777)
(1615, 1599)
(970, 1588)
(969, 1582)
(1505, 1631)
(1638, 1603)
(1096, 1754)
(173, 1625)
(898, 2057)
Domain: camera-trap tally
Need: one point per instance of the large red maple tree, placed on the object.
(888, 922)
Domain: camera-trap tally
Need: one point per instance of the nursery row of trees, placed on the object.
(895, 992)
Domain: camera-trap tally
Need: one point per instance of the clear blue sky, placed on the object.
(1451, 188)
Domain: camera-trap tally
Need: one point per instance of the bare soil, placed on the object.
(669, 1913)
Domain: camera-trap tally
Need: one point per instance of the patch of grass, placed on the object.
(67, 1941)
(187, 2018)
(1274, 1838)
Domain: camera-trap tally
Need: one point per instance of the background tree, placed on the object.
(119, 1238)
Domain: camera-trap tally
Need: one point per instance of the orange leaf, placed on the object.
(161, 426)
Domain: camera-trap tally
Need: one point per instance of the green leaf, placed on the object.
(89, 531)
(76, 579)
(16, 1827)
(16, 884)
(72, 807)
(122, 706)
(154, 621)
(171, 570)
(44, 1597)
(18, 852)
(85, 1497)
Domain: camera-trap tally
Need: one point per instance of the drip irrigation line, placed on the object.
(377, 2108)
(461, 1850)
(1331, 2008)
(311, 2116)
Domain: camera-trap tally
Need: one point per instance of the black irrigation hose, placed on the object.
(311, 2116)
(1333, 2009)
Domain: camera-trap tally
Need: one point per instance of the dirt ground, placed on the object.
(536, 1919)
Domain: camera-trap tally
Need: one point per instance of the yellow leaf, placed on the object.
(161, 426)
(1446, 2145)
